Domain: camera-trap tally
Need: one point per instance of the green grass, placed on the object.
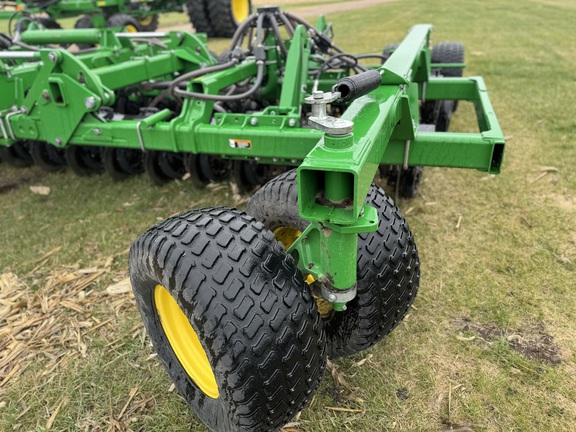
(508, 269)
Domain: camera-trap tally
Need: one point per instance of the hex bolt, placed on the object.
(292, 122)
(90, 102)
(52, 57)
(331, 298)
(58, 141)
(319, 94)
(97, 131)
(254, 121)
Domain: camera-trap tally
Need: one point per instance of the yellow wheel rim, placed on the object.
(185, 342)
(146, 20)
(240, 10)
(130, 29)
(287, 236)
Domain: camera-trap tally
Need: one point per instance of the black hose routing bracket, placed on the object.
(354, 86)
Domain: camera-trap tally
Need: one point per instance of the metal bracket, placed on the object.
(3, 129)
(334, 295)
(140, 138)
(20, 111)
(321, 120)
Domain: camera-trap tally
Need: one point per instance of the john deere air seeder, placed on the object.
(243, 308)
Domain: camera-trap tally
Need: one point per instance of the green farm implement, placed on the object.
(214, 17)
(243, 308)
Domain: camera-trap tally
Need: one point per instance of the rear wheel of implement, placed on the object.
(84, 160)
(198, 14)
(388, 267)
(214, 168)
(448, 52)
(84, 22)
(48, 157)
(125, 23)
(49, 23)
(231, 319)
(226, 15)
(163, 167)
(122, 163)
(410, 179)
(17, 155)
(192, 164)
(249, 175)
(388, 50)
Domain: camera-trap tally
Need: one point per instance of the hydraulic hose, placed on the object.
(226, 98)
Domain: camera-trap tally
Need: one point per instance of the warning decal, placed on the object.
(240, 143)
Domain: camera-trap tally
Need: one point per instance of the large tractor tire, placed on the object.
(49, 23)
(230, 317)
(148, 23)
(125, 23)
(388, 266)
(226, 15)
(84, 22)
(199, 18)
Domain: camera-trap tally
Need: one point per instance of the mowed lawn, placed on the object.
(490, 342)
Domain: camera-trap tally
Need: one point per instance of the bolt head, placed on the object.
(90, 102)
(292, 122)
(318, 94)
(254, 121)
(331, 297)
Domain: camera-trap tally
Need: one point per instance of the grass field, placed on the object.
(490, 343)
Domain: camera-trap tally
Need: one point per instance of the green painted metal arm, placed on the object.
(296, 74)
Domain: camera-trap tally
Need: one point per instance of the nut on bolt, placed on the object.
(331, 298)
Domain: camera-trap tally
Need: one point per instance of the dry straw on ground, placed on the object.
(51, 323)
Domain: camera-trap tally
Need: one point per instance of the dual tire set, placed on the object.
(235, 323)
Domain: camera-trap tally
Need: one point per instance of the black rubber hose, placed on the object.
(354, 86)
(240, 31)
(189, 76)
(226, 98)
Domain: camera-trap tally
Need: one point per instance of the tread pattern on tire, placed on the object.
(246, 300)
(388, 267)
(123, 20)
(222, 17)
(199, 18)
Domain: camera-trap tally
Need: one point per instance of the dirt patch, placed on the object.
(564, 202)
(530, 340)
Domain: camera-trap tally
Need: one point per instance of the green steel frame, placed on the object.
(54, 96)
